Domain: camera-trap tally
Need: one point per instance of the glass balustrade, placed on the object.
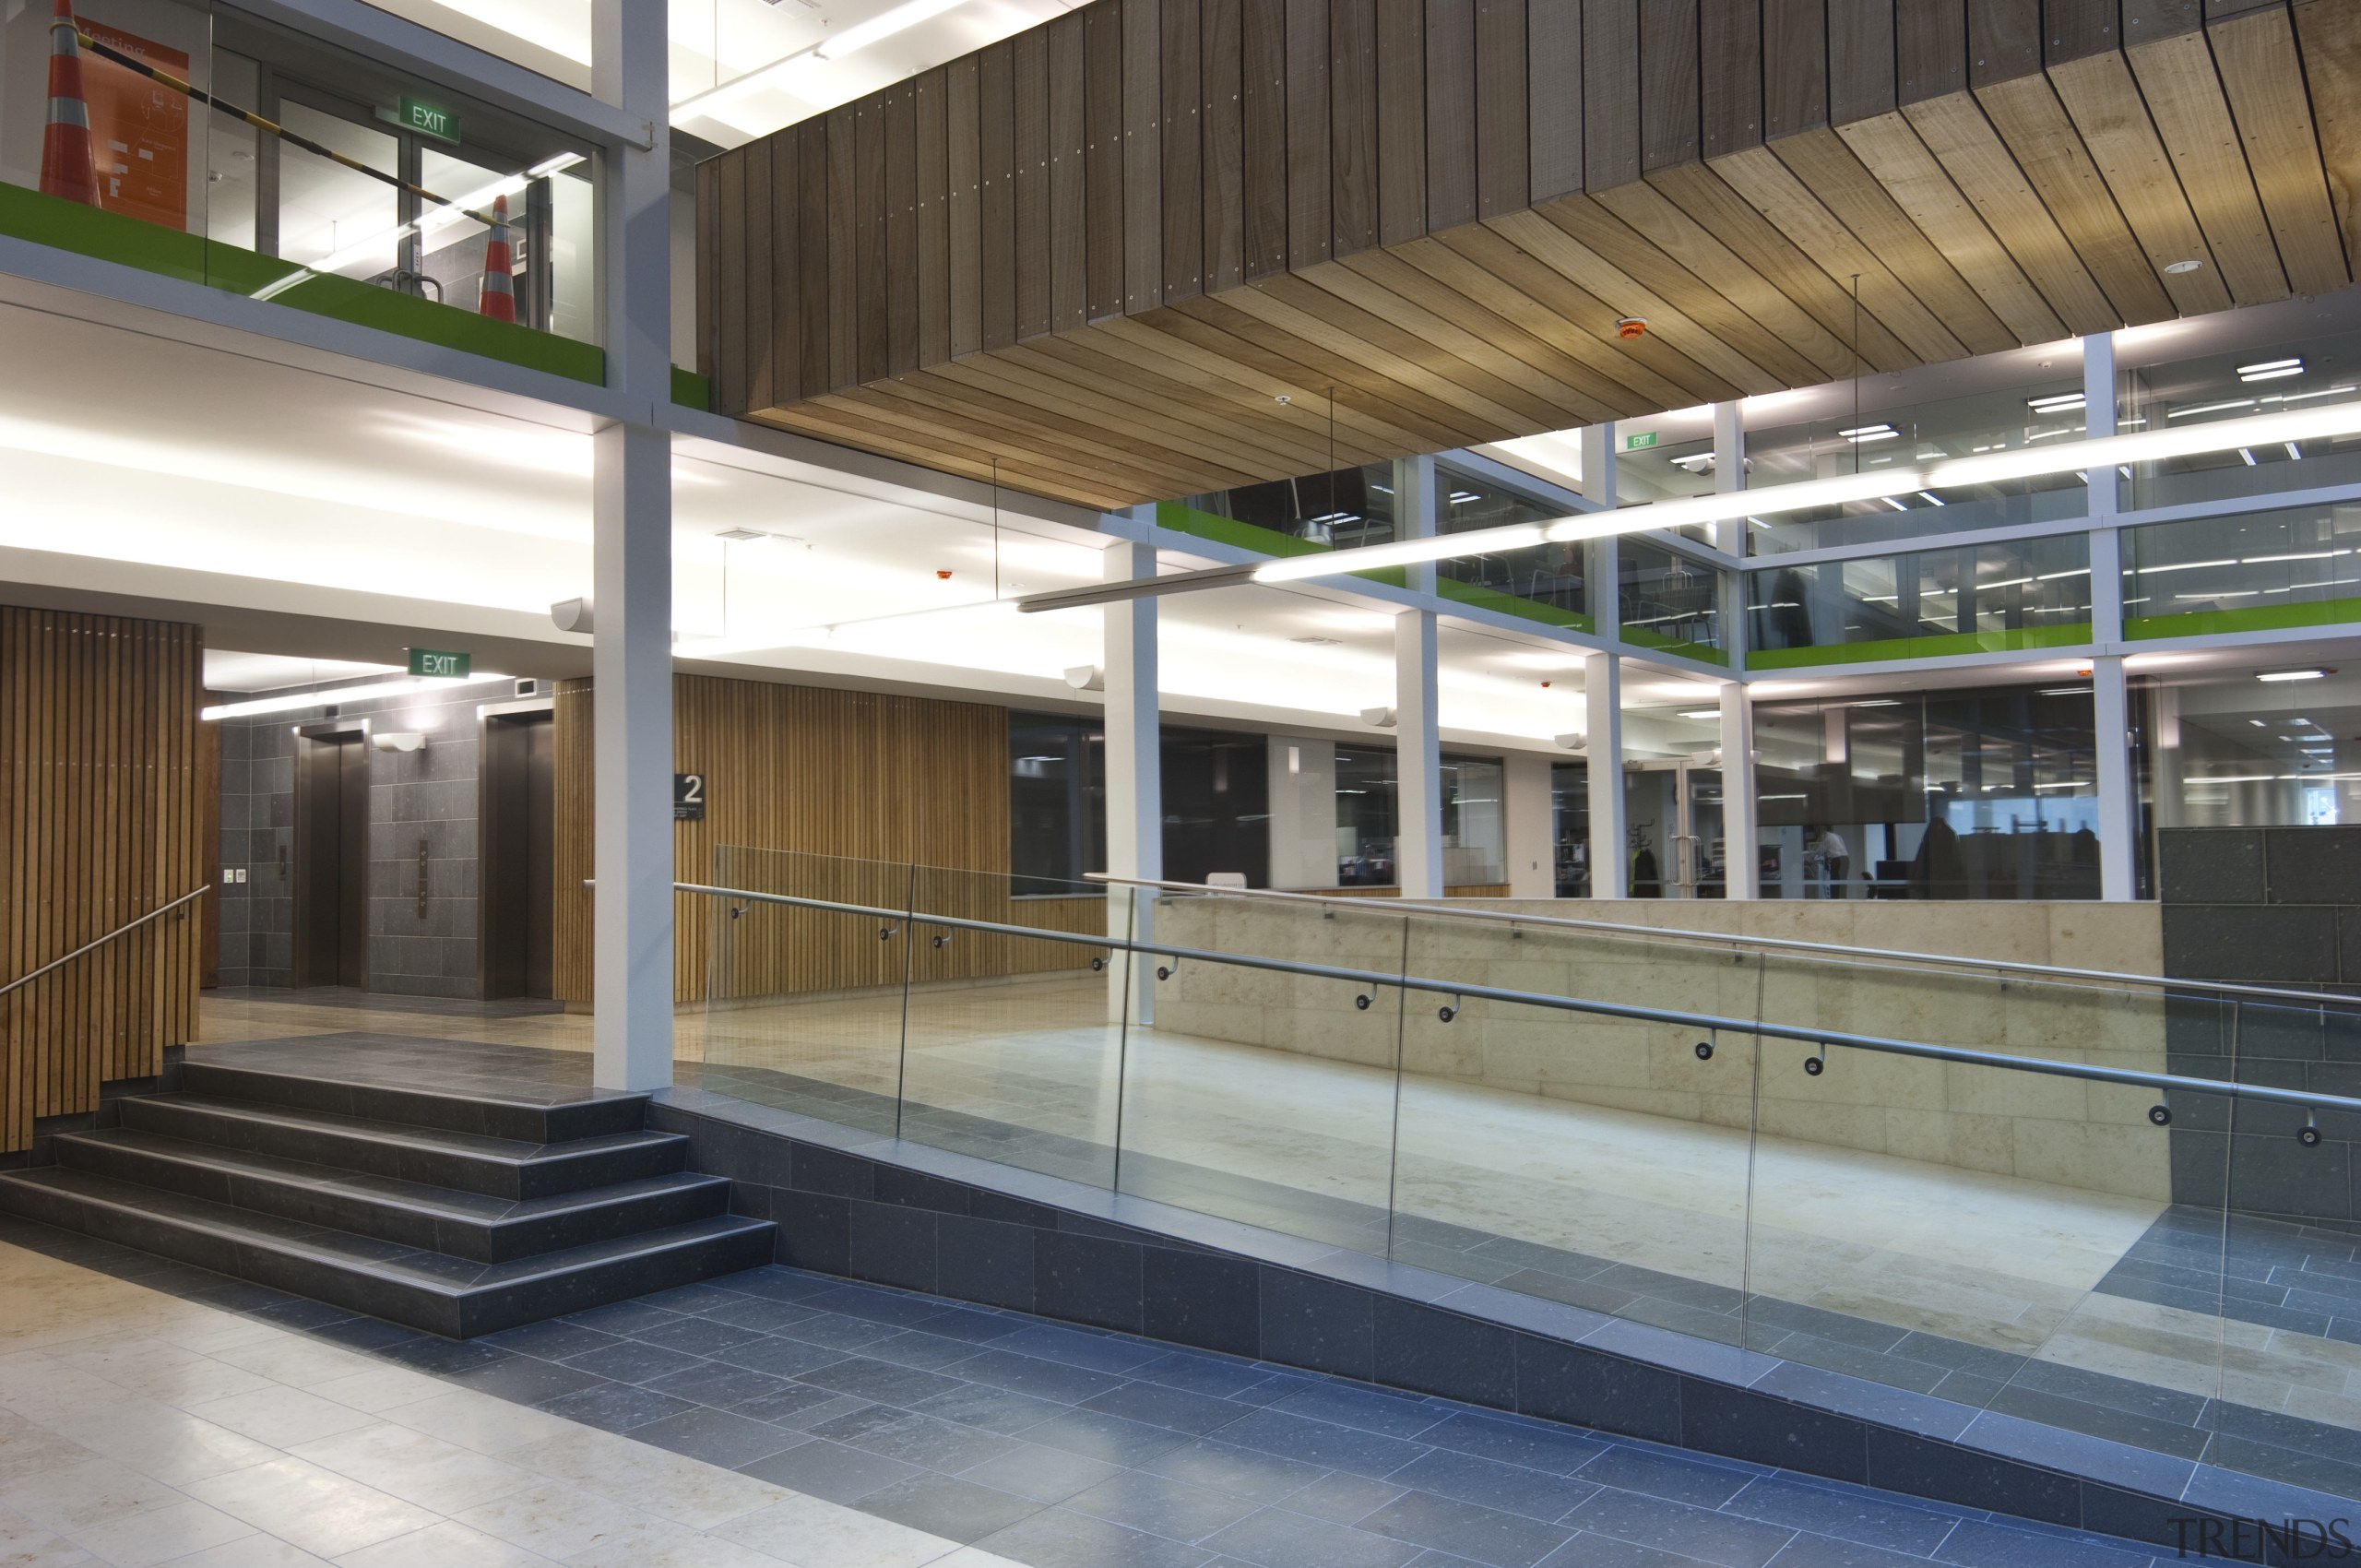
(1676, 1134)
(2012, 594)
(2248, 570)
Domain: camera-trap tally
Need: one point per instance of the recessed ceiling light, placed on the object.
(2180, 268)
(2290, 674)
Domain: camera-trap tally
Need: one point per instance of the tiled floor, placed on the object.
(141, 1425)
(216, 1426)
(2075, 1309)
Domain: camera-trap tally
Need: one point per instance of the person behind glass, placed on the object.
(1835, 857)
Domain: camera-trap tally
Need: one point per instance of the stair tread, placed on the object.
(446, 1202)
(478, 1145)
(560, 1097)
(436, 1272)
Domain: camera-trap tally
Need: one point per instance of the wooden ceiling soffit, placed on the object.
(1090, 259)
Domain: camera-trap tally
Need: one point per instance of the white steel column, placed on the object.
(2110, 708)
(1418, 742)
(631, 656)
(1135, 774)
(1729, 474)
(1741, 863)
(1610, 871)
(2118, 822)
(1602, 558)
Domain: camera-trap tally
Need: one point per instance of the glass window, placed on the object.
(1217, 806)
(2009, 594)
(2243, 571)
(1348, 507)
(1546, 576)
(1667, 599)
(2315, 372)
(1057, 801)
(1365, 818)
(2227, 749)
(1475, 823)
(1907, 437)
(1976, 793)
(1569, 817)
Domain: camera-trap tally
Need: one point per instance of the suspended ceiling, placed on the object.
(1127, 255)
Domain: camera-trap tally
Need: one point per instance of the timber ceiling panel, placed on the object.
(1092, 258)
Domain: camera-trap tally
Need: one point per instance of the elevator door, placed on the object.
(519, 866)
(332, 861)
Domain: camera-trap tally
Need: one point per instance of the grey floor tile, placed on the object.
(763, 1317)
(1676, 1527)
(1528, 1443)
(1606, 1551)
(1045, 1475)
(721, 1384)
(916, 1348)
(994, 1409)
(1055, 1538)
(1161, 1505)
(1341, 1499)
(553, 1340)
(1101, 1436)
(800, 1406)
(1260, 1476)
(1487, 1535)
(1846, 1512)
(1074, 1347)
(958, 1510)
(616, 1406)
(717, 1437)
(1211, 1375)
(632, 1361)
(865, 1378)
(1031, 1374)
(1274, 1538)
(528, 1380)
(1990, 1544)
(1665, 1475)
(830, 1471)
(1536, 1494)
(1321, 1443)
(781, 1357)
(1364, 1409)
(696, 1336)
(1195, 1414)
(916, 1439)
(838, 1332)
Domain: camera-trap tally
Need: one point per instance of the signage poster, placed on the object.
(138, 129)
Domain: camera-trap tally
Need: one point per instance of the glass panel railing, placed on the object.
(1012, 1048)
(1669, 602)
(2181, 393)
(1584, 1158)
(2249, 571)
(2009, 594)
(361, 195)
(804, 1006)
(1262, 1096)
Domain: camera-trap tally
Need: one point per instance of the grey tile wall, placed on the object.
(2276, 906)
(431, 794)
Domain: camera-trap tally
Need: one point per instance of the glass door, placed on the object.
(1673, 819)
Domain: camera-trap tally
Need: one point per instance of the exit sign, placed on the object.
(435, 664)
(1639, 439)
(427, 120)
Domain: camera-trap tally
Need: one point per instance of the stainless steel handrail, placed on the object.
(2164, 1082)
(134, 925)
(1884, 957)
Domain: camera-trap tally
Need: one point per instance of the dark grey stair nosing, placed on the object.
(431, 1156)
(598, 1114)
(487, 1230)
(217, 1237)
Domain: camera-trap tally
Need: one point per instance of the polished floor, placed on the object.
(2074, 1309)
(152, 1413)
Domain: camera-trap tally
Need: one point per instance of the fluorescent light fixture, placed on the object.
(2064, 692)
(2236, 778)
(1930, 498)
(1400, 553)
(336, 696)
(1861, 433)
(2271, 370)
(861, 35)
(2056, 403)
(1700, 713)
(557, 165)
(2290, 674)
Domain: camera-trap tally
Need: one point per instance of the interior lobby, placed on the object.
(1180, 783)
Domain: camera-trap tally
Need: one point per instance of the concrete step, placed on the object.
(595, 1113)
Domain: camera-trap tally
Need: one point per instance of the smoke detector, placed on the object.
(1632, 326)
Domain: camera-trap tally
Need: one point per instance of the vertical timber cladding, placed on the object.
(1085, 259)
(881, 781)
(101, 820)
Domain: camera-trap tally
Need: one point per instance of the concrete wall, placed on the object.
(2048, 1129)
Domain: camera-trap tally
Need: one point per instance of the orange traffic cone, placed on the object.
(67, 169)
(499, 297)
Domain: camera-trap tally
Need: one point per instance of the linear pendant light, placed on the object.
(2141, 447)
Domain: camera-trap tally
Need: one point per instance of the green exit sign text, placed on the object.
(437, 665)
(428, 120)
(1638, 439)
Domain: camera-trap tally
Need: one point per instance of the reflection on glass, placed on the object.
(1979, 793)
(2314, 373)
(1669, 601)
(2300, 566)
(2016, 593)
(2005, 419)
(1537, 577)
(1569, 828)
(1350, 507)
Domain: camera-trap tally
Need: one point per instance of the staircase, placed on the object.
(453, 1213)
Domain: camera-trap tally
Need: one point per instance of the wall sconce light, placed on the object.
(396, 739)
(1087, 678)
(1380, 717)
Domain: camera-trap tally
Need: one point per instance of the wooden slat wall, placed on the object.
(101, 820)
(795, 774)
(1093, 255)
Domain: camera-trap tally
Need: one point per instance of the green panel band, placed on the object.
(1920, 647)
(2256, 618)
